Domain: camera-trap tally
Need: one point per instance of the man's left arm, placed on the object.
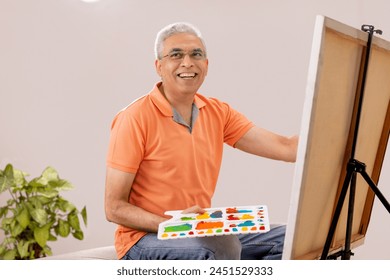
(264, 143)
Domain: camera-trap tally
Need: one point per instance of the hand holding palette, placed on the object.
(215, 221)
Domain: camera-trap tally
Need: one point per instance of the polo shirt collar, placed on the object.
(160, 102)
(163, 105)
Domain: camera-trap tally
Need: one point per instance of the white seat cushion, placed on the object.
(100, 253)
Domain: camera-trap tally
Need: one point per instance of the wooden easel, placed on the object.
(327, 139)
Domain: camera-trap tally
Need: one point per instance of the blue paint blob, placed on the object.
(216, 214)
(246, 224)
(244, 211)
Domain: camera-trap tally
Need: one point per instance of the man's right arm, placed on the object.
(117, 207)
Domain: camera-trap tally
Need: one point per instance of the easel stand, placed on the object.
(353, 167)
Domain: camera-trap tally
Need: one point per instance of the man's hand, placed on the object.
(194, 209)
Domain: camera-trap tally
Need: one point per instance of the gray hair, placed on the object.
(172, 29)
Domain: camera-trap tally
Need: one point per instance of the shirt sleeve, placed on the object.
(236, 125)
(126, 145)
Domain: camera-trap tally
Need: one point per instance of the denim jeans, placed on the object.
(256, 246)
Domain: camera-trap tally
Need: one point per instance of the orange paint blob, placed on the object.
(208, 225)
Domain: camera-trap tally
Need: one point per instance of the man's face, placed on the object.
(182, 75)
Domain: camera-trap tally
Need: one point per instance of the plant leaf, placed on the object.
(32, 254)
(43, 199)
(16, 229)
(10, 255)
(23, 217)
(9, 171)
(49, 193)
(63, 228)
(2, 249)
(4, 185)
(61, 185)
(47, 251)
(38, 182)
(34, 203)
(74, 221)
(65, 205)
(7, 178)
(9, 240)
(3, 211)
(52, 238)
(50, 174)
(84, 215)
(19, 177)
(78, 235)
(6, 221)
(23, 248)
(41, 234)
(39, 215)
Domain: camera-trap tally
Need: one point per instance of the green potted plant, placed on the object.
(35, 214)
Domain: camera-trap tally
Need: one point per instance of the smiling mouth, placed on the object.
(187, 75)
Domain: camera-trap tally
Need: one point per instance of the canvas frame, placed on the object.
(327, 126)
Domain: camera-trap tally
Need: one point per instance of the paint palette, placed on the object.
(215, 221)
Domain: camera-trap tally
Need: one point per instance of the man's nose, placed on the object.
(187, 60)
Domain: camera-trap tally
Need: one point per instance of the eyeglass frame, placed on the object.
(184, 53)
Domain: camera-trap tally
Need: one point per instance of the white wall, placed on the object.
(66, 68)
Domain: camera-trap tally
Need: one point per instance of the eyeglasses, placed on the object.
(178, 55)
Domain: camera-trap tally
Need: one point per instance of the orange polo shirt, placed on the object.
(175, 168)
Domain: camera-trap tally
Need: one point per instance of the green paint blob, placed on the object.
(187, 218)
(184, 227)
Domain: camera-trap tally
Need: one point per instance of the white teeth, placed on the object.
(187, 75)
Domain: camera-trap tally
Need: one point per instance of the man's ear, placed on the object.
(157, 64)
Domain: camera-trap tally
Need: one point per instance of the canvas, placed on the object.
(326, 135)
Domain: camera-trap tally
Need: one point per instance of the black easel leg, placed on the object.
(351, 204)
(375, 190)
(337, 213)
